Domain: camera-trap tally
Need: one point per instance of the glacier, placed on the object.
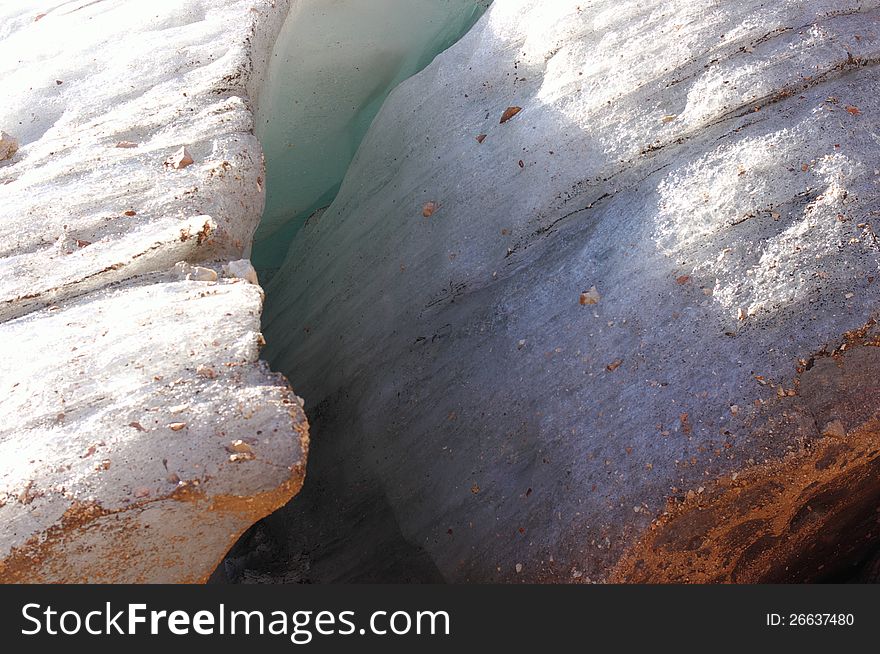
(625, 335)
(140, 433)
(331, 69)
(591, 295)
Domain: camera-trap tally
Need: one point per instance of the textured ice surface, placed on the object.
(127, 371)
(333, 65)
(710, 167)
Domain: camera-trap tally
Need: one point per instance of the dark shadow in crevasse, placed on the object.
(339, 530)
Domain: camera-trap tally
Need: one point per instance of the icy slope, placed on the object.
(332, 67)
(524, 344)
(139, 431)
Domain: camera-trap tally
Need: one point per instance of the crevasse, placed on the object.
(332, 67)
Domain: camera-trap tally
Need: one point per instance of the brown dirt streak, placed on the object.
(26, 564)
(779, 515)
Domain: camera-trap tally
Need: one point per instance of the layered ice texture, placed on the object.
(333, 66)
(129, 340)
(711, 168)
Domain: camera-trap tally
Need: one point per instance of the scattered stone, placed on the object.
(195, 273)
(241, 269)
(206, 371)
(8, 146)
(614, 365)
(509, 113)
(429, 209)
(239, 447)
(179, 160)
(590, 297)
(834, 429)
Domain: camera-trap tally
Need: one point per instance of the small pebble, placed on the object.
(8, 146)
(429, 209)
(240, 447)
(206, 371)
(179, 160)
(590, 297)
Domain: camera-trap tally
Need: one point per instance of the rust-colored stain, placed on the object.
(778, 522)
(801, 517)
(50, 557)
(37, 561)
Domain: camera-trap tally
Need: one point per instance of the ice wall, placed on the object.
(711, 169)
(333, 65)
(139, 431)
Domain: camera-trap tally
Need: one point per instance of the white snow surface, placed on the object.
(126, 370)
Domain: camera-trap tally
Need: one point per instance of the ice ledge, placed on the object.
(140, 434)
